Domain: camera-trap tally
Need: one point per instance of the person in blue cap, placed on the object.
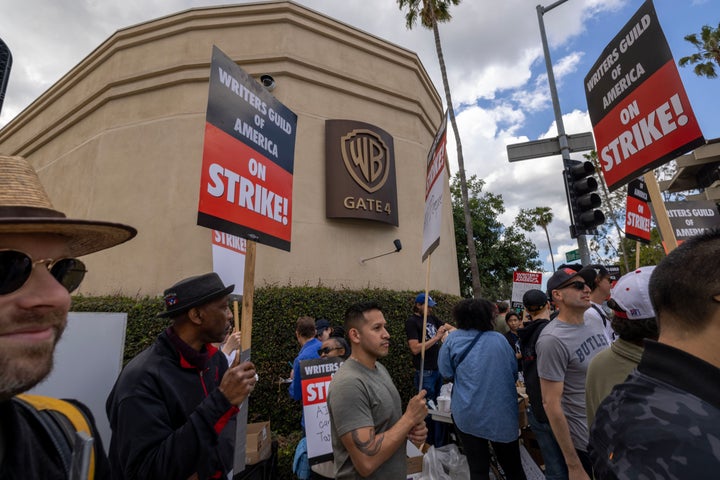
(435, 331)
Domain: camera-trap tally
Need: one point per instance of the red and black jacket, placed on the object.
(168, 418)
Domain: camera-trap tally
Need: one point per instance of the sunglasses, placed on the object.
(577, 285)
(16, 268)
(327, 350)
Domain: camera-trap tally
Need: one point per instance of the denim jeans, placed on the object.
(555, 467)
(432, 381)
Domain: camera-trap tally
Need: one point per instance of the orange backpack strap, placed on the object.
(61, 420)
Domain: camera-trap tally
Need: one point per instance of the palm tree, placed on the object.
(529, 218)
(430, 12)
(708, 46)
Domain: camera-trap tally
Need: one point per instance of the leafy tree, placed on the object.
(500, 250)
(650, 254)
(430, 12)
(529, 218)
(708, 54)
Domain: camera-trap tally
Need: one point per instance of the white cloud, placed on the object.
(492, 51)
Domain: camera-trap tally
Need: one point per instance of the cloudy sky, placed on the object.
(492, 51)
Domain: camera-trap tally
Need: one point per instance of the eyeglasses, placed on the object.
(16, 267)
(327, 350)
(577, 285)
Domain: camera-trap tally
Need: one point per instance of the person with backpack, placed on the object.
(38, 271)
(484, 397)
(538, 308)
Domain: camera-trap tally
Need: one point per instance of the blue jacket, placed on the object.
(307, 352)
(484, 398)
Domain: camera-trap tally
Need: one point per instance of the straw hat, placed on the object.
(26, 208)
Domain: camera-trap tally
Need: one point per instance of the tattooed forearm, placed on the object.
(371, 446)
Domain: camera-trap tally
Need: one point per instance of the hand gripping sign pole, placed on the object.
(245, 326)
(237, 103)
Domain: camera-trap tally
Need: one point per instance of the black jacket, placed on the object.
(167, 417)
(528, 338)
(29, 452)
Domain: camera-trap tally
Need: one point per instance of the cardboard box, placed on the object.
(414, 464)
(414, 458)
(257, 443)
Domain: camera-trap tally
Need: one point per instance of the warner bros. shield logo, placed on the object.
(366, 158)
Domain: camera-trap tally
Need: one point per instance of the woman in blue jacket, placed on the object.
(484, 398)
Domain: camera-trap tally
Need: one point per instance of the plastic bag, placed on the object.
(446, 390)
(445, 463)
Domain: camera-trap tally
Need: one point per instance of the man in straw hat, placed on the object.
(172, 410)
(38, 270)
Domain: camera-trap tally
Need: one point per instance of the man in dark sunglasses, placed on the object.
(564, 350)
(38, 270)
(334, 347)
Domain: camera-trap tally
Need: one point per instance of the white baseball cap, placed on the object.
(631, 293)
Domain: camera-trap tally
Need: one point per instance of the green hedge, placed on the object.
(276, 308)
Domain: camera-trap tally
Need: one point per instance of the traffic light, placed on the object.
(580, 186)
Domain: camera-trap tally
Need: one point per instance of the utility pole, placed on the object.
(562, 137)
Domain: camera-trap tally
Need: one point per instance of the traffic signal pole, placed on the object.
(562, 137)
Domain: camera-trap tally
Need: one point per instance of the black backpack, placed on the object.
(64, 422)
(528, 338)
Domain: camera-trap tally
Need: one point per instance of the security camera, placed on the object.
(268, 82)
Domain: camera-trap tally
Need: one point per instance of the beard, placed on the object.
(24, 366)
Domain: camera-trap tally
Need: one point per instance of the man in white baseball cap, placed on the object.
(633, 321)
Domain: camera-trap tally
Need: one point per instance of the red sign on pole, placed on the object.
(637, 212)
(248, 153)
(640, 112)
(522, 282)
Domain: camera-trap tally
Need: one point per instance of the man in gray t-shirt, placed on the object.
(564, 350)
(368, 428)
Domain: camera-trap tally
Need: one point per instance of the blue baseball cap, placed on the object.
(421, 299)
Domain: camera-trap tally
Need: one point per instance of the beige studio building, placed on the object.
(120, 138)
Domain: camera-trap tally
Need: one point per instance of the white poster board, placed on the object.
(434, 187)
(88, 360)
(315, 376)
(228, 253)
(522, 282)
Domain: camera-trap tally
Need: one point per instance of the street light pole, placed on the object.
(562, 137)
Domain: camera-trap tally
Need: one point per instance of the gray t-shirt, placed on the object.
(564, 352)
(361, 397)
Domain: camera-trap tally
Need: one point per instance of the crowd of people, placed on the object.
(622, 382)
